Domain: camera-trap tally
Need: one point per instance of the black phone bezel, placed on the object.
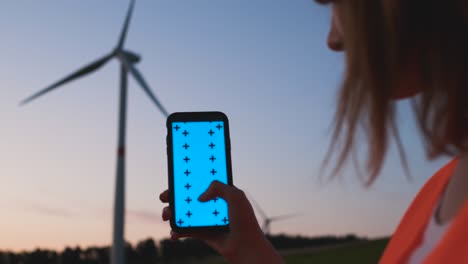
(194, 117)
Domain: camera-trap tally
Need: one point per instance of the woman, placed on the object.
(394, 49)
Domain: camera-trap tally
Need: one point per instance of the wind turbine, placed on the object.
(268, 220)
(127, 60)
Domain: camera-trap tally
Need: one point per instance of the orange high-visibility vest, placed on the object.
(452, 249)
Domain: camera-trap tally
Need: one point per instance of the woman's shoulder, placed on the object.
(409, 232)
(431, 191)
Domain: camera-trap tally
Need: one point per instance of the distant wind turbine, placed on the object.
(127, 60)
(268, 220)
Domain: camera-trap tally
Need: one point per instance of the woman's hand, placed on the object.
(245, 242)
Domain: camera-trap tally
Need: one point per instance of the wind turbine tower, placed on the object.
(127, 61)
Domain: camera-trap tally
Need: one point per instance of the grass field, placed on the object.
(368, 252)
(362, 253)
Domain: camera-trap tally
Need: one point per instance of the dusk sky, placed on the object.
(264, 63)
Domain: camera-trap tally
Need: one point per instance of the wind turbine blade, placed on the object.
(259, 209)
(123, 35)
(81, 72)
(283, 217)
(139, 78)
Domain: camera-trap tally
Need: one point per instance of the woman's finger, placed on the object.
(217, 189)
(164, 196)
(166, 213)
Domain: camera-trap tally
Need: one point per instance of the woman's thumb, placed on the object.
(216, 189)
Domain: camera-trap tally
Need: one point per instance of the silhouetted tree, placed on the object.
(196, 248)
(15, 258)
(90, 256)
(11, 258)
(130, 254)
(352, 237)
(96, 255)
(39, 256)
(169, 249)
(147, 252)
(70, 256)
(183, 249)
(288, 242)
(104, 254)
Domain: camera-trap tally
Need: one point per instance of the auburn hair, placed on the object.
(395, 46)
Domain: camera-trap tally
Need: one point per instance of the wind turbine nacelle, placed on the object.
(132, 57)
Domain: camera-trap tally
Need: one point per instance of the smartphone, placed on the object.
(199, 152)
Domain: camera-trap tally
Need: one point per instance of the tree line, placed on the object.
(148, 252)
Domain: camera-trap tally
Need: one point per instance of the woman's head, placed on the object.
(396, 49)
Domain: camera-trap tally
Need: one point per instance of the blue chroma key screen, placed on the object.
(199, 155)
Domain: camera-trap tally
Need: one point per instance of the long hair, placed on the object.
(385, 42)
